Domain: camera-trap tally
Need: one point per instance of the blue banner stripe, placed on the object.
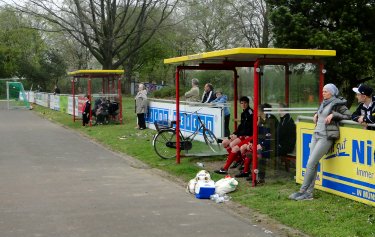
(353, 181)
(189, 121)
(353, 191)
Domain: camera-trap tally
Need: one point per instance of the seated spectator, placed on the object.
(221, 98)
(267, 124)
(113, 108)
(102, 114)
(365, 112)
(208, 94)
(193, 94)
(243, 132)
(286, 133)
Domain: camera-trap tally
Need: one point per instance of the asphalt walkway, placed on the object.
(54, 182)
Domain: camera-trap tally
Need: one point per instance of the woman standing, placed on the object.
(141, 106)
(331, 111)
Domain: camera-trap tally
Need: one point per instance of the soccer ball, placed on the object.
(203, 175)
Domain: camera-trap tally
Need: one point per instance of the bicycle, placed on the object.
(164, 141)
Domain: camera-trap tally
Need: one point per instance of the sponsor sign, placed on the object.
(41, 98)
(164, 112)
(79, 100)
(348, 169)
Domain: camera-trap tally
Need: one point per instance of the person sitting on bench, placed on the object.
(244, 131)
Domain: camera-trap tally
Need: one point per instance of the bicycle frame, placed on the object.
(191, 137)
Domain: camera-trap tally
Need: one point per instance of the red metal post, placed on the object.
(177, 115)
(113, 85)
(107, 89)
(287, 85)
(120, 97)
(235, 102)
(103, 90)
(74, 102)
(321, 80)
(89, 95)
(255, 120)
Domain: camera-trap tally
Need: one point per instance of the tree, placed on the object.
(106, 28)
(25, 54)
(252, 21)
(209, 23)
(344, 25)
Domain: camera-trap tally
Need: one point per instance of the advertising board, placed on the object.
(163, 112)
(348, 169)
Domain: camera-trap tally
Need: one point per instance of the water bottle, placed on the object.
(200, 164)
(219, 200)
(226, 198)
(213, 197)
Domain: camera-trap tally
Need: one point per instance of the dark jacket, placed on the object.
(340, 112)
(267, 133)
(56, 91)
(208, 97)
(86, 107)
(286, 135)
(368, 113)
(246, 126)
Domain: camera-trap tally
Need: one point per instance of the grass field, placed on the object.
(326, 215)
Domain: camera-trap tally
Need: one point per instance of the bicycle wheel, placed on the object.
(211, 141)
(165, 144)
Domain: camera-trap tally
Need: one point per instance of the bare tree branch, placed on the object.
(112, 30)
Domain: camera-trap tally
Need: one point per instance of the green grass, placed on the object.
(327, 215)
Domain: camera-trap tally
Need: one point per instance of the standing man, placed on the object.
(365, 112)
(141, 106)
(193, 94)
(208, 94)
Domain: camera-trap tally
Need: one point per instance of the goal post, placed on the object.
(16, 96)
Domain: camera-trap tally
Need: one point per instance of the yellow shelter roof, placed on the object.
(249, 54)
(95, 72)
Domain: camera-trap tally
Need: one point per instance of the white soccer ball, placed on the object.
(190, 188)
(203, 175)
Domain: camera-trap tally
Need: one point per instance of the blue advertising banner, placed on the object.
(164, 112)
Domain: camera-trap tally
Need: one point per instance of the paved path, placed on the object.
(54, 182)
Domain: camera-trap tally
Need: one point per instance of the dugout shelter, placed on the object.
(255, 59)
(109, 87)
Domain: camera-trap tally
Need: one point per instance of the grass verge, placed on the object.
(327, 215)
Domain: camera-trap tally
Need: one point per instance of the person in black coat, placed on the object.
(243, 132)
(365, 112)
(286, 133)
(86, 111)
(286, 136)
(56, 90)
(208, 94)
